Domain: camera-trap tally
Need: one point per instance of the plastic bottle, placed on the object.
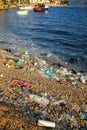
(39, 99)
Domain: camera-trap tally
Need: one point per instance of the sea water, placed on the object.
(59, 33)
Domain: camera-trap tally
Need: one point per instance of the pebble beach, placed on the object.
(36, 96)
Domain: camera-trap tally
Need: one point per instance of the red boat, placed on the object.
(40, 8)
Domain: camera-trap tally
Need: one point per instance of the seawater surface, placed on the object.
(61, 32)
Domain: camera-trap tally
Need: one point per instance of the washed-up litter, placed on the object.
(46, 123)
(24, 99)
(77, 85)
(1, 75)
(1, 100)
(19, 62)
(85, 116)
(82, 79)
(62, 112)
(22, 83)
(39, 99)
(1, 90)
(47, 72)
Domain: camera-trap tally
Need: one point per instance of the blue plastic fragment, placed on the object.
(47, 72)
(85, 116)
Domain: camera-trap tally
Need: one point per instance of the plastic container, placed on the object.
(46, 123)
(39, 99)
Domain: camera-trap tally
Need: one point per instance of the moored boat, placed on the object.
(45, 8)
(26, 7)
(40, 8)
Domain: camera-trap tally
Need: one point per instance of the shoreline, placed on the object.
(51, 59)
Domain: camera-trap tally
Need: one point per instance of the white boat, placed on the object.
(26, 7)
(24, 12)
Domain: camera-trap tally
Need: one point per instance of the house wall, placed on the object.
(1, 2)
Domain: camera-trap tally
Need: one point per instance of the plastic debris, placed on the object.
(1, 75)
(61, 110)
(77, 85)
(19, 63)
(58, 102)
(85, 116)
(1, 90)
(47, 72)
(22, 83)
(39, 99)
(82, 79)
(46, 123)
(1, 100)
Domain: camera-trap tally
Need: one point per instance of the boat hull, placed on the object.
(40, 9)
(26, 8)
(44, 9)
(37, 9)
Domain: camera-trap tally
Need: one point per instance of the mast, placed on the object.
(19, 1)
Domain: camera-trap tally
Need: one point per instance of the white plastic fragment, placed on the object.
(41, 100)
(82, 79)
(46, 123)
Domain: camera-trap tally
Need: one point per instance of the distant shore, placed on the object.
(6, 7)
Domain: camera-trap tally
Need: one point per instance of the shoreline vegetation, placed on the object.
(34, 95)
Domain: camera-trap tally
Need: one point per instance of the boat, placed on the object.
(24, 12)
(26, 7)
(40, 8)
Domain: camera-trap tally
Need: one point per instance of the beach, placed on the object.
(31, 90)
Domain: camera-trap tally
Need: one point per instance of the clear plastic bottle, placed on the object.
(39, 99)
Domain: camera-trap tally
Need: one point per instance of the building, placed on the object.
(1, 4)
(39, 1)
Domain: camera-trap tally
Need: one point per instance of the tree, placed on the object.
(64, 2)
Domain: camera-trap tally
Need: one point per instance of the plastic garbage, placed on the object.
(12, 66)
(39, 99)
(22, 83)
(73, 122)
(67, 116)
(82, 79)
(59, 119)
(85, 116)
(44, 115)
(19, 63)
(47, 72)
(1, 90)
(1, 100)
(76, 85)
(21, 50)
(58, 102)
(1, 75)
(46, 123)
(41, 61)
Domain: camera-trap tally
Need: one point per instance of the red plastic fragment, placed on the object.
(22, 83)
